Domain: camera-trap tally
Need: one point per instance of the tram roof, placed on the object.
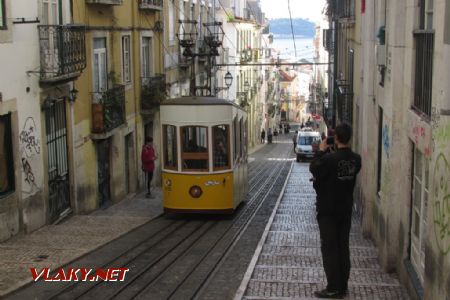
(189, 100)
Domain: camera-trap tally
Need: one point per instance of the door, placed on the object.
(420, 192)
(58, 168)
(99, 70)
(128, 158)
(103, 171)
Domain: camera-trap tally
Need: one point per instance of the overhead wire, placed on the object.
(292, 26)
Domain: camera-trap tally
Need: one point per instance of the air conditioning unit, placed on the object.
(380, 52)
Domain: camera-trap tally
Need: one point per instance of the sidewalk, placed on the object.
(288, 264)
(56, 245)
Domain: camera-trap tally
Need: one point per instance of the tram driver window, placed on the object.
(221, 150)
(194, 140)
(170, 147)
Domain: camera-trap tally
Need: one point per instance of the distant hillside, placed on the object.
(301, 27)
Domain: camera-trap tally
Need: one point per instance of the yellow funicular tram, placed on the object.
(204, 159)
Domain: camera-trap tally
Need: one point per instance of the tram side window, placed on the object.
(170, 147)
(221, 150)
(194, 141)
(245, 138)
(236, 139)
(242, 130)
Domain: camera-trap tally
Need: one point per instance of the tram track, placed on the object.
(181, 248)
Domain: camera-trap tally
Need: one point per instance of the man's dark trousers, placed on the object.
(334, 238)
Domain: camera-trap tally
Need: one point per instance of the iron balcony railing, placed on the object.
(108, 109)
(62, 51)
(105, 2)
(153, 91)
(151, 4)
(424, 71)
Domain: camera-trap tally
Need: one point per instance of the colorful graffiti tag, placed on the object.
(386, 141)
(441, 203)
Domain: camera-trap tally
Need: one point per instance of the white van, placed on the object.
(305, 142)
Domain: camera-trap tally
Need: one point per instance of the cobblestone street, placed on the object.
(289, 264)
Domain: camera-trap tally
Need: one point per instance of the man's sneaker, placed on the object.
(148, 195)
(328, 294)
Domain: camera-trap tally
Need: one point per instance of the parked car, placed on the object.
(307, 144)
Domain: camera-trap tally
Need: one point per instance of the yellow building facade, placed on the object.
(117, 100)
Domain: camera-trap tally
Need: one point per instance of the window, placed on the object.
(242, 137)
(170, 147)
(424, 39)
(2, 14)
(420, 195)
(194, 141)
(236, 138)
(308, 140)
(100, 77)
(6, 156)
(126, 59)
(146, 57)
(221, 151)
(171, 20)
(50, 12)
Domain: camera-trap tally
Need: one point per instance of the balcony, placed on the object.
(153, 91)
(345, 9)
(108, 109)
(62, 52)
(328, 40)
(105, 2)
(152, 5)
(424, 71)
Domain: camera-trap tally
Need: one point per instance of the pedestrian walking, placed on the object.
(263, 136)
(148, 157)
(269, 136)
(334, 176)
(294, 139)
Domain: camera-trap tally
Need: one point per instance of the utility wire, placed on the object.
(292, 26)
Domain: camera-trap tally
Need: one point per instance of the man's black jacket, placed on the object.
(334, 181)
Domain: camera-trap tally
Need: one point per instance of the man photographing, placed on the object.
(334, 180)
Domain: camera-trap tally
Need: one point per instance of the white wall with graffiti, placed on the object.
(20, 93)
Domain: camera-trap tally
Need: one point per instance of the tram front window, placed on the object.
(221, 149)
(194, 154)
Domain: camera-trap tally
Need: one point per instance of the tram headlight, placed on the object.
(195, 191)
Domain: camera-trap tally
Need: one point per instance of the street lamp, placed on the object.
(228, 79)
(73, 94)
(228, 82)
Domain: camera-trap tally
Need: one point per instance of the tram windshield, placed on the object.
(221, 151)
(194, 140)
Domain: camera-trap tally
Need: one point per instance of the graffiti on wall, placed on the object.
(441, 203)
(386, 140)
(29, 147)
(28, 138)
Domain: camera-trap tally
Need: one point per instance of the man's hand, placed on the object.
(324, 146)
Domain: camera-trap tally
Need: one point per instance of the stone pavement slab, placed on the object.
(289, 263)
(53, 246)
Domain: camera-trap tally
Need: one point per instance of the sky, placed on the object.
(305, 9)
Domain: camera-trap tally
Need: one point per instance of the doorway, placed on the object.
(103, 148)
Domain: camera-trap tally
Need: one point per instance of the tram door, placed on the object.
(58, 167)
(103, 171)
